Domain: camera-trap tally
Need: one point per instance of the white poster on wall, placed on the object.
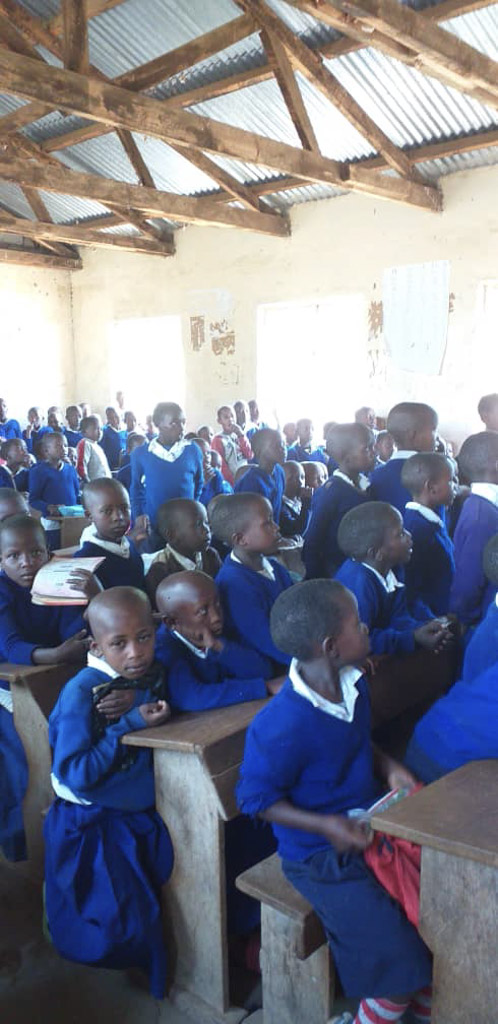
(416, 306)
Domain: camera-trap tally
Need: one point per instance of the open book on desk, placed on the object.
(52, 583)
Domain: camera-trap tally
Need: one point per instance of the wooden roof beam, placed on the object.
(81, 236)
(286, 80)
(38, 258)
(95, 7)
(75, 35)
(233, 189)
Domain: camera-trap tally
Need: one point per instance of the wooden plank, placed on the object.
(187, 55)
(456, 814)
(95, 7)
(75, 35)
(293, 989)
(400, 189)
(151, 202)
(439, 150)
(196, 732)
(234, 189)
(33, 29)
(117, 107)
(23, 116)
(135, 157)
(284, 74)
(41, 213)
(34, 258)
(81, 236)
(311, 65)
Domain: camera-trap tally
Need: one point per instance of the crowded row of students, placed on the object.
(403, 593)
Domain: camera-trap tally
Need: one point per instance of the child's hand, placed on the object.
(206, 640)
(237, 430)
(116, 703)
(139, 532)
(306, 495)
(72, 650)
(85, 581)
(53, 510)
(346, 835)
(142, 525)
(433, 635)
(398, 777)
(274, 685)
(155, 713)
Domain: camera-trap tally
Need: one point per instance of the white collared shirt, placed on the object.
(363, 481)
(267, 569)
(200, 652)
(389, 582)
(164, 554)
(294, 503)
(348, 677)
(122, 548)
(427, 513)
(168, 454)
(100, 664)
(402, 454)
(485, 490)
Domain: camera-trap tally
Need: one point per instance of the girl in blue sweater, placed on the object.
(308, 764)
(108, 507)
(267, 477)
(428, 476)
(52, 482)
(107, 851)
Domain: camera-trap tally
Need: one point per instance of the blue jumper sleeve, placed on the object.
(199, 474)
(270, 767)
(251, 621)
(13, 645)
(469, 581)
(316, 536)
(383, 641)
(188, 693)
(290, 524)
(243, 662)
(36, 488)
(137, 487)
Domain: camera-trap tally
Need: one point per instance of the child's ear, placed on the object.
(329, 648)
(95, 648)
(169, 621)
(237, 540)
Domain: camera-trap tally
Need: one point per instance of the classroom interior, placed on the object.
(365, 273)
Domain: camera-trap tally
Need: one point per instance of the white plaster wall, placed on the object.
(337, 246)
(36, 338)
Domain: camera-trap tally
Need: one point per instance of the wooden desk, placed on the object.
(35, 689)
(71, 528)
(455, 820)
(196, 765)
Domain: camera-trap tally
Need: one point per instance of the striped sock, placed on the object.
(420, 1006)
(379, 1011)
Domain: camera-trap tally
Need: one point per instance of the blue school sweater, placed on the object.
(113, 443)
(292, 521)
(124, 476)
(299, 454)
(429, 573)
(98, 767)
(25, 626)
(296, 752)
(9, 429)
(270, 485)
(50, 486)
(72, 437)
(154, 480)
(482, 650)
(36, 435)
(115, 571)
(18, 482)
(462, 726)
(471, 592)
(390, 624)
(231, 676)
(247, 598)
(321, 553)
(215, 485)
(386, 484)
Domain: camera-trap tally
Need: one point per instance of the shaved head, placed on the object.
(104, 485)
(108, 610)
(183, 588)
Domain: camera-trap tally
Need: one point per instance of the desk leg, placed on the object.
(31, 725)
(459, 923)
(195, 896)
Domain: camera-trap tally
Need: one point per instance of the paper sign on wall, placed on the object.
(416, 306)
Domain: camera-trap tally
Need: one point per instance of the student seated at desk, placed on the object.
(303, 449)
(107, 852)
(308, 763)
(14, 473)
(429, 573)
(471, 593)
(267, 477)
(52, 482)
(213, 479)
(413, 427)
(108, 507)
(296, 502)
(29, 635)
(249, 580)
(352, 445)
(205, 669)
(183, 524)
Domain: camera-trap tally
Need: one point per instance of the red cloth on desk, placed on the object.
(396, 865)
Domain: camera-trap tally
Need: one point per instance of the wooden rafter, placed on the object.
(233, 189)
(75, 35)
(95, 7)
(113, 105)
(38, 258)
(81, 236)
(286, 79)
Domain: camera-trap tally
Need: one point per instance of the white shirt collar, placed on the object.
(267, 569)
(363, 481)
(389, 582)
(485, 490)
(402, 454)
(427, 513)
(496, 600)
(195, 650)
(348, 677)
(294, 503)
(90, 534)
(168, 454)
(99, 663)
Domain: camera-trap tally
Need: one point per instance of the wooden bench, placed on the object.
(35, 689)
(296, 967)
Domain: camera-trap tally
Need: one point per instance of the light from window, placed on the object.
(147, 362)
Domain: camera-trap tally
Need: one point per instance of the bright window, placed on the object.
(312, 359)
(147, 362)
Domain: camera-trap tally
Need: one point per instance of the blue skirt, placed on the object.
(13, 784)
(376, 951)
(103, 873)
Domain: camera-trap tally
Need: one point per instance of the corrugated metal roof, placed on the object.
(411, 108)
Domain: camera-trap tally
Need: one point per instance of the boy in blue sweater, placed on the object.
(205, 669)
(113, 439)
(29, 635)
(8, 427)
(267, 477)
(471, 593)
(167, 467)
(352, 445)
(429, 573)
(308, 764)
(14, 473)
(35, 430)
(303, 449)
(72, 431)
(482, 649)
(52, 482)
(296, 502)
(124, 474)
(107, 851)
(213, 479)
(249, 580)
(108, 508)
(413, 427)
